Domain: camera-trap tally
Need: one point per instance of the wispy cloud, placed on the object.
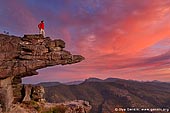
(119, 38)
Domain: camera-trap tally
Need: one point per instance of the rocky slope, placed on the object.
(21, 57)
(33, 102)
(77, 106)
(106, 95)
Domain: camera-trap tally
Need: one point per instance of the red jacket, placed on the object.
(41, 25)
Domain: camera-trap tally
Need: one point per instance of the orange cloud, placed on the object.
(115, 36)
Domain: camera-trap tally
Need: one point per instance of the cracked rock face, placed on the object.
(21, 57)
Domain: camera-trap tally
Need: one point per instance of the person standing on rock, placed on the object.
(41, 28)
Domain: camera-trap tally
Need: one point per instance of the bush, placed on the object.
(32, 104)
(57, 109)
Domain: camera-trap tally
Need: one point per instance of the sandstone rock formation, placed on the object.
(22, 56)
(35, 93)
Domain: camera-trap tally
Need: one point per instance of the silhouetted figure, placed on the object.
(41, 28)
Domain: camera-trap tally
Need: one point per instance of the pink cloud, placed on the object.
(112, 35)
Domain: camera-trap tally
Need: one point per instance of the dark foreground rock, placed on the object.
(21, 57)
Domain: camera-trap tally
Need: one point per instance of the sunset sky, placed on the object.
(127, 39)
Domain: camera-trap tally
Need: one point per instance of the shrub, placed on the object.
(32, 104)
(57, 109)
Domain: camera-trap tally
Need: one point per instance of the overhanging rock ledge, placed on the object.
(22, 56)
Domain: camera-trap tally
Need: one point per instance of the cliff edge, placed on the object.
(22, 56)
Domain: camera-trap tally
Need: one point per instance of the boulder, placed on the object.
(38, 93)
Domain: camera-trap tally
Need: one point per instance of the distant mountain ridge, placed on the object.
(51, 84)
(105, 95)
(73, 83)
(102, 80)
(91, 79)
(48, 84)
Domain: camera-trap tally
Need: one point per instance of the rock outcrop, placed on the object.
(77, 106)
(34, 102)
(35, 93)
(22, 56)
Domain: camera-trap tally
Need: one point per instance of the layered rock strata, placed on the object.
(22, 56)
